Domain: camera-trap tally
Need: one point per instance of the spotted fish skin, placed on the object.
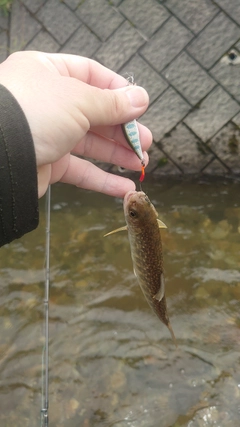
(146, 251)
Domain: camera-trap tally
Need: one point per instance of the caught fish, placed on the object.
(143, 228)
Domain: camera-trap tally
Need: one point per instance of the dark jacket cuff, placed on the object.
(18, 172)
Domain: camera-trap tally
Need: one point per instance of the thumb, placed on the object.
(107, 107)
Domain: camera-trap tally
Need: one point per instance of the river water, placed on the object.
(112, 362)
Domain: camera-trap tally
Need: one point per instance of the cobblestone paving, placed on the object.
(186, 53)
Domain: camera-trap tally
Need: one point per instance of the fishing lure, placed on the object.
(131, 133)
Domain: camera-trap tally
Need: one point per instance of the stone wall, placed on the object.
(186, 53)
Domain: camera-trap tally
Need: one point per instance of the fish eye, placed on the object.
(133, 213)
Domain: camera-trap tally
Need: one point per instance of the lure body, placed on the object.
(131, 134)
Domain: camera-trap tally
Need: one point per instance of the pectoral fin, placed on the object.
(161, 224)
(115, 231)
(160, 294)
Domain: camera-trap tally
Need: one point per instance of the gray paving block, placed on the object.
(237, 45)
(165, 113)
(145, 76)
(58, 20)
(3, 21)
(160, 164)
(116, 2)
(194, 14)
(120, 47)
(147, 16)
(185, 149)
(189, 78)
(43, 42)
(215, 168)
(73, 4)
(229, 77)
(217, 37)
(34, 5)
(226, 144)
(231, 7)
(231, 57)
(83, 42)
(169, 40)
(3, 45)
(23, 27)
(100, 17)
(215, 111)
(236, 120)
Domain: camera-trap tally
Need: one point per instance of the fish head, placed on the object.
(138, 209)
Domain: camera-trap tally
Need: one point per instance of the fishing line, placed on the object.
(45, 353)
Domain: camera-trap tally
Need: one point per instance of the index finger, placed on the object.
(87, 70)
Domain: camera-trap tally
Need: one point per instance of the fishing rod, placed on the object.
(45, 353)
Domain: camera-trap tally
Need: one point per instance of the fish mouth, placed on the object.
(128, 195)
(132, 196)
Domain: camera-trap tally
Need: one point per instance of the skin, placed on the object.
(75, 106)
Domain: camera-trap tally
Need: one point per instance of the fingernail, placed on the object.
(137, 95)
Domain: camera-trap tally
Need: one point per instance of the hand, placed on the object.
(74, 106)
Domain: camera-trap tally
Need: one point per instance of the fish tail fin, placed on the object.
(172, 334)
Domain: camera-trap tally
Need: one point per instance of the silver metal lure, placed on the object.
(131, 133)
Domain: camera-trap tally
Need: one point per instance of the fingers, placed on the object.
(115, 133)
(87, 70)
(101, 107)
(105, 107)
(88, 176)
(100, 148)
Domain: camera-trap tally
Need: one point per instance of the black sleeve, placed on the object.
(18, 172)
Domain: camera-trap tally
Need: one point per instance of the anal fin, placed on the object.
(160, 293)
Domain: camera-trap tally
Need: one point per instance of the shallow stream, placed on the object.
(112, 362)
